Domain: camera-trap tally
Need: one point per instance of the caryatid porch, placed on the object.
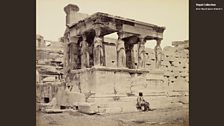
(85, 44)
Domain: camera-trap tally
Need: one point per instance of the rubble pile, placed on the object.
(49, 71)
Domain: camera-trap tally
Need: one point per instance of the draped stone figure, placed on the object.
(121, 56)
(158, 54)
(98, 51)
(84, 54)
(141, 56)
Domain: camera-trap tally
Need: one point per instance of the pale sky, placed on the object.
(173, 14)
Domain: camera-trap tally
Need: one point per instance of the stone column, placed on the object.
(84, 52)
(131, 53)
(66, 52)
(141, 53)
(40, 41)
(134, 62)
(73, 52)
(98, 49)
(71, 11)
(158, 53)
(121, 55)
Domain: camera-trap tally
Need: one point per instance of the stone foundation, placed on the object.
(108, 81)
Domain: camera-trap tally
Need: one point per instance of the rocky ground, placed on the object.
(173, 116)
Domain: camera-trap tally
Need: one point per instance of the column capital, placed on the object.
(120, 35)
(142, 40)
(98, 32)
(73, 39)
(158, 41)
(84, 37)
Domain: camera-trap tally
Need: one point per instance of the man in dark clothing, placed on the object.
(141, 103)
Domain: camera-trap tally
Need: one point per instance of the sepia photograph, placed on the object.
(112, 63)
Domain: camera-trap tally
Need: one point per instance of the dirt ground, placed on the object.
(175, 116)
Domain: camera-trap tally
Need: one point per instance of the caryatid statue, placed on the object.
(72, 52)
(84, 53)
(141, 53)
(158, 53)
(98, 50)
(121, 55)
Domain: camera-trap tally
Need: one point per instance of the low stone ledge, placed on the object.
(110, 69)
(87, 108)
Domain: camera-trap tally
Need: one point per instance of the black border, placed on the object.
(18, 21)
(206, 65)
(18, 32)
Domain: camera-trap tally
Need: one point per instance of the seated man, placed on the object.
(141, 103)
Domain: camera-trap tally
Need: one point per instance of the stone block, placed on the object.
(170, 58)
(176, 73)
(88, 108)
(168, 49)
(165, 63)
(138, 88)
(172, 80)
(169, 73)
(67, 98)
(110, 55)
(184, 100)
(184, 74)
(174, 94)
(181, 85)
(187, 79)
(53, 111)
(180, 69)
(176, 63)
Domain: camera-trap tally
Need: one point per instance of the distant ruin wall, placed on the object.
(175, 64)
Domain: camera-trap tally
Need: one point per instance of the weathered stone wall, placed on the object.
(150, 58)
(48, 90)
(126, 82)
(82, 80)
(110, 55)
(49, 58)
(49, 66)
(172, 75)
(176, 66)
(108, 82)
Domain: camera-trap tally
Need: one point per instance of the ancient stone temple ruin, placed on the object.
(106, 74)
(99, 65)
(106, 67)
